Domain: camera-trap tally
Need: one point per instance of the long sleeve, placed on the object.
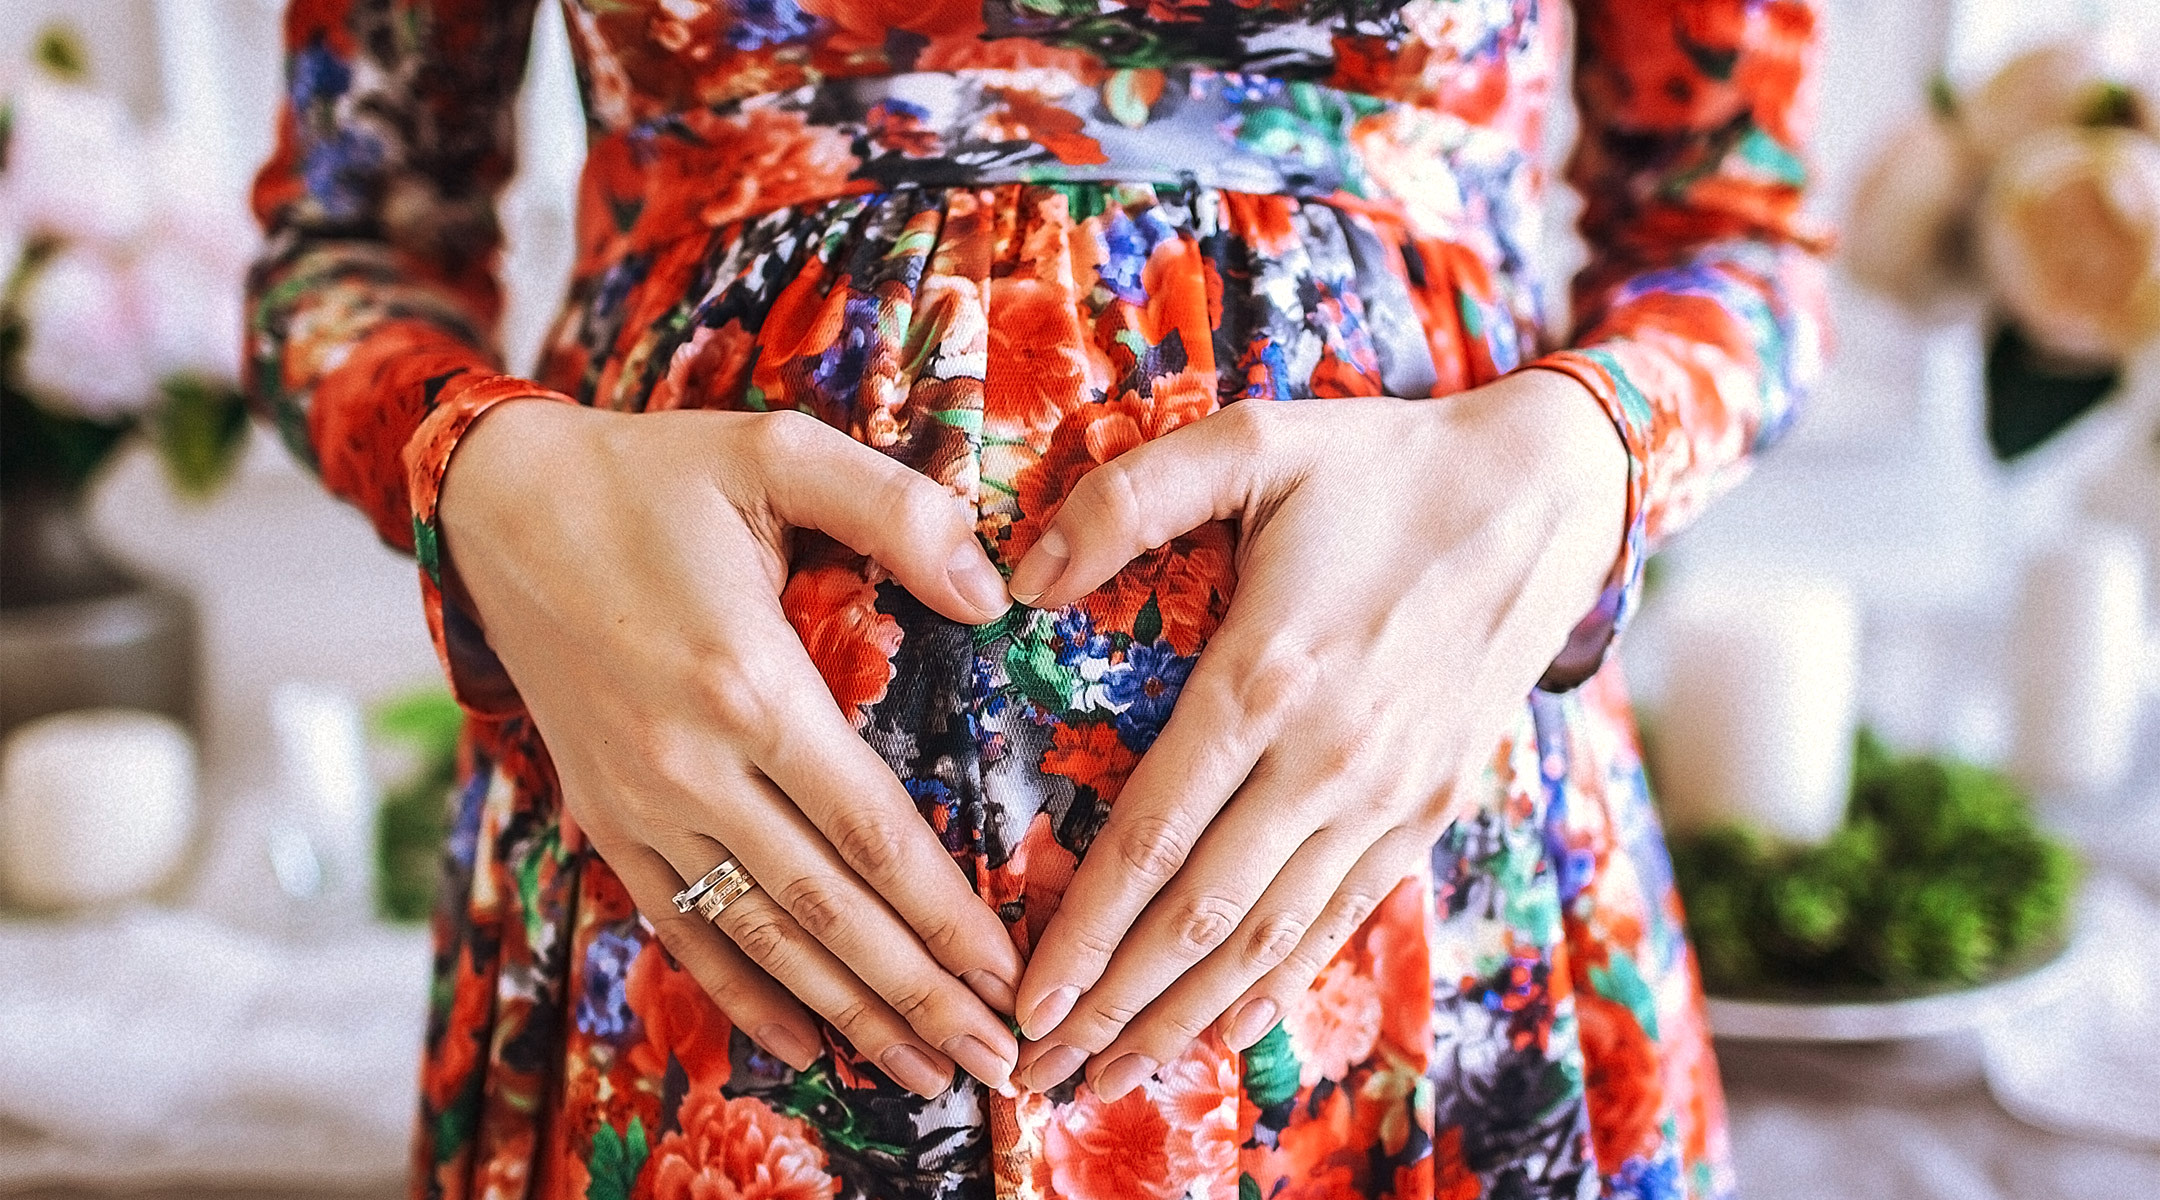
(373, 307)
(1700, 317)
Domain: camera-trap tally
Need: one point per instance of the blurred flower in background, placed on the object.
(2034, 197)
(124, 267)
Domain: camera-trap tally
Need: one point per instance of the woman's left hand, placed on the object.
(1407, 569)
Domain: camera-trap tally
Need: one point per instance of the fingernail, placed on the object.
(1048, 1012)
(1040, 567)
(1123, 1076)
(974, 578)
(913, 1070)
(786, 1045)
(994, 991)
(1055, 1067)
(1251, 1023)
(978, 1060)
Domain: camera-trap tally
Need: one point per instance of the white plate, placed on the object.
(1893, 1020)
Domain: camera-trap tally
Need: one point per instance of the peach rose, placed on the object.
(1909, 234)
(2070, 239)
(735, 1150)
(1336, 1023)
(2051, 85)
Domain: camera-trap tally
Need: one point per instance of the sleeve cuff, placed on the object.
(1629, 411)
(477, 677)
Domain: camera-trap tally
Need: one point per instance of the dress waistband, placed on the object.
(1189, 125)
(980, 126)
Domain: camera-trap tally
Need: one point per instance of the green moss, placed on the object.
(415, 815)
(1938, 877)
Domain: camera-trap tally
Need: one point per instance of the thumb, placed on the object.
(1206, 471)
(816, 477)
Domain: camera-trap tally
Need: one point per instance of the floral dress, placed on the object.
(1003, 241)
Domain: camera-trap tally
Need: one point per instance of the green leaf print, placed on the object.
(1032, 663)
(1147, 624)
(1623, 984)
(1248, 1188)
(546, 848)
(1271, 1070)
(427, 550)
(616, 1161)
(1766, 154)
(1121, 95)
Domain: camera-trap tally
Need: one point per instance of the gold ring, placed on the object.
(718, 888)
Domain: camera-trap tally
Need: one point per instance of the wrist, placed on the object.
(1563, 443)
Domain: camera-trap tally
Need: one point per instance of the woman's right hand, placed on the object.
(627, 569)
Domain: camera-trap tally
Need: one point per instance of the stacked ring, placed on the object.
(718, 888)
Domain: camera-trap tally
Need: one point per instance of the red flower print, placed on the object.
(893, 127)
(1036, 875)
(1773, 76)
(679, 1019)
(1176, 284)
(1452, 1178)
(1319, 1153)
(969, 52)
(1621, 1073)
(1026, 117)
(1091, 435)
(457, 1055)
(834, 611)
(1115, 1151)
(1038, 365)
(735, 1149)
(708, 371)
(1334, 376)
(1189, 579)
(733, 167)
(1395, 937)
(1091, 755)
(867, 22)
(1335, 1024)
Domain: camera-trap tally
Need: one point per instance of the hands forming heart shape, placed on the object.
(1406, 571)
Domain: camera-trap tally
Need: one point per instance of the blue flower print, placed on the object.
(603, 1008)
(1143, 688)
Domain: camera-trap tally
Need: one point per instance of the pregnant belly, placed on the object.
(1005, 340)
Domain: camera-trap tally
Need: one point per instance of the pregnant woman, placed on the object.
(1040, 627)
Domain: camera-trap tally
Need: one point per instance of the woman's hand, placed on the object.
(627, 570)
(1406, 572)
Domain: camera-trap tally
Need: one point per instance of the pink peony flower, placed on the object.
(735, 1149)
(1335, 1024)
(88, 334)
(74, 164)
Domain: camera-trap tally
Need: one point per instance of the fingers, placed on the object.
(753, 1002)
(832, 907)
(769, 937)
(1267, 1000)
(1245, 989)
(1205, 915)
(861, 810)
(1208, 470)
(918, 530)
(1204, 753)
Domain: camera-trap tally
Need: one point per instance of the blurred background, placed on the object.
(1929, 945)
